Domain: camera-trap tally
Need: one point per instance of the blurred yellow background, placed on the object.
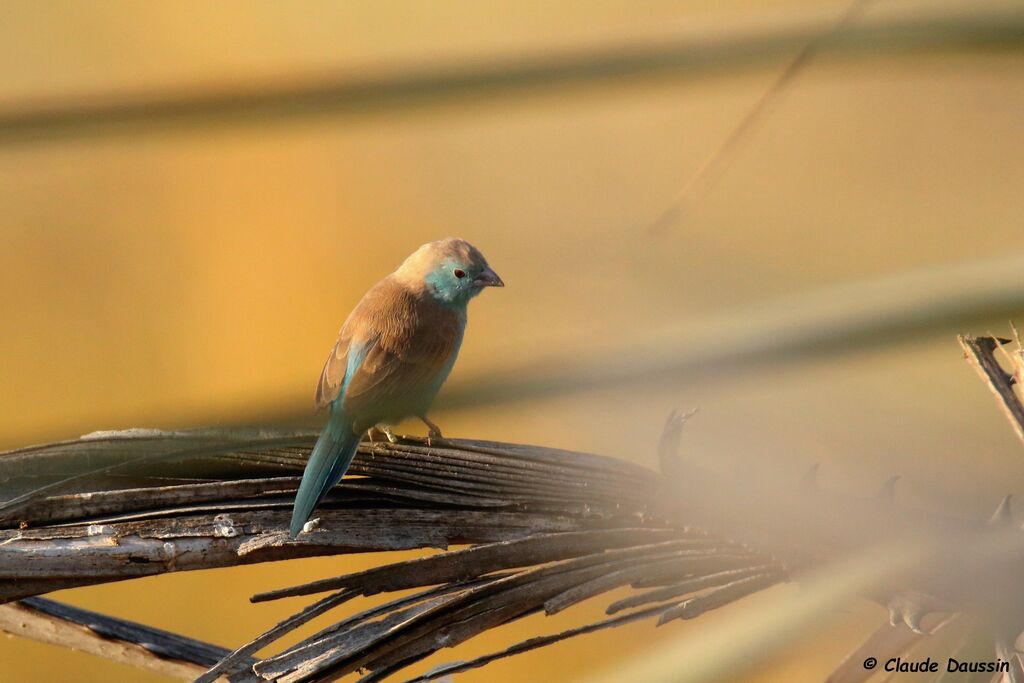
(169, 277)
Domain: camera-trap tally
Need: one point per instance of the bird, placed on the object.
(394, 351)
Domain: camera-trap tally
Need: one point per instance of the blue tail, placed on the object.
(328, 462)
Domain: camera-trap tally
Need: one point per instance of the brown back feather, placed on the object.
(407, 338)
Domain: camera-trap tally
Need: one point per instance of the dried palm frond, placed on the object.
(542, 530)
(79, 629)
(547, 529)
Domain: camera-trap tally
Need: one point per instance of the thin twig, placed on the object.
(538, 642)
(753, 118)
(229, 661)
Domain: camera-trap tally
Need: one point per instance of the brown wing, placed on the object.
(403, 371)
(358, 326)
(414, 342)
(333, 375)
(407, 342)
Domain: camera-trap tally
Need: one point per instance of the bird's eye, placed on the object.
(459, 273)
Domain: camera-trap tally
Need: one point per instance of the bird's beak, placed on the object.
(488, 278)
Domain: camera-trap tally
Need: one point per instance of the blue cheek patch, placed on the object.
(446, 289)
(438, 280)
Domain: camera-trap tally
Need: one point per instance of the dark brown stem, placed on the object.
(980, 353)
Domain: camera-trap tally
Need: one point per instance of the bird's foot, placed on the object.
(379, 433)
(434, 435)
(435, 438)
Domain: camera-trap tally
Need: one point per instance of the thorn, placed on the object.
(688, 414)
(668, 446)
(894, 616)
(810, 478)
(912, 618)
(887, 494)
(1003, 516)
(910, 608)
(999, 342)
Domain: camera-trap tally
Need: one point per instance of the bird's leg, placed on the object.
(381, 432)
(433, 433)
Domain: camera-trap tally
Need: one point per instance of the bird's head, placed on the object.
(452, 270)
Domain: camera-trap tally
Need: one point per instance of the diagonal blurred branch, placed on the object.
(123, 641)
(885, 642)
(840, 319)
(132, 113)
(861, 315)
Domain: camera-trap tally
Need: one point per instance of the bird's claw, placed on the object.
(434, 435)
(381, 432)
(376, 434)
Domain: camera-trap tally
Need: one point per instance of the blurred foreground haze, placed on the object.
(174, 276)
